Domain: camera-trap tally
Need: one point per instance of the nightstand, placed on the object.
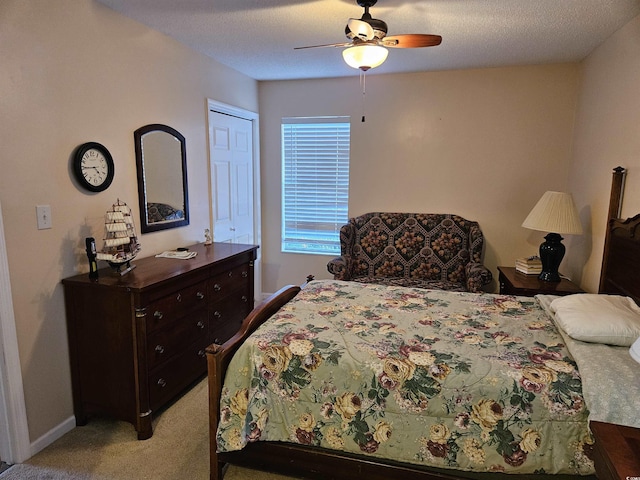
(617, 451)
(513, 282)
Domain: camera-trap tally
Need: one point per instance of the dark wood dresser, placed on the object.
(137, 341)
(617, 451)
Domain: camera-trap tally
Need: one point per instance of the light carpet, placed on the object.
(109, 450)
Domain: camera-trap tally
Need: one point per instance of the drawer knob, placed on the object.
(200, 324)
(157, 314)
(201, 353)
(217, 287)
(200, 295)
(217, 314)
(245, 299)
(179, 298)
(230, 274)
(159, 349)
(217, 341)
(245, 274)
(162, 383)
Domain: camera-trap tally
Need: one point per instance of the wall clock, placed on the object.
(93, 166)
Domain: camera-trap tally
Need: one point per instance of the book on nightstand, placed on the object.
(529, 265)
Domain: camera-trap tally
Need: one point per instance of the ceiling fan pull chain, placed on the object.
(363, 84)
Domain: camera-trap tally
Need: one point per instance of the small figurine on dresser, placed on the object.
(207, 237)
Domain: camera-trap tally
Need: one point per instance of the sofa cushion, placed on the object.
(413, 283)
(414, 246)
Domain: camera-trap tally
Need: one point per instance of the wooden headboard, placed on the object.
(621, 260)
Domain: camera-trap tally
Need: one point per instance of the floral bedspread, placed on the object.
(475, 382)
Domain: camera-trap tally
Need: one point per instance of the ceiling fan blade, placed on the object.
(360, 29)
(342, 44)
(412, 40)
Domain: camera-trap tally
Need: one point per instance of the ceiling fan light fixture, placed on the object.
(365, 56)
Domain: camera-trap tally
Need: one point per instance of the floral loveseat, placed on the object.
(422, 250)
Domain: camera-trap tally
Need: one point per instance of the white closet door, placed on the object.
(232, 179)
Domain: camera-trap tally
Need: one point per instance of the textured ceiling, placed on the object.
(257, 37)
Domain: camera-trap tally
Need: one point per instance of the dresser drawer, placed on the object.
(178, 372)
(226, 282)
(173, 338)
(228, 314)
(168, 309)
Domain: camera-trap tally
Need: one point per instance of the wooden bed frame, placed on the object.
(621, 253)
(621, 260)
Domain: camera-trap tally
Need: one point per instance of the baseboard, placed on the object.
(265, 295)
(52, 435)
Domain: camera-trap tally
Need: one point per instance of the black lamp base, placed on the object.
(551, 254)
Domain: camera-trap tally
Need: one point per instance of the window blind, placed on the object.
(315, 183)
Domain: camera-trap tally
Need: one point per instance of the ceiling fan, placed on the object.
(368, 39)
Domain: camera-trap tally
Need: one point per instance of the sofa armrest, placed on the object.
(477, 276)
(340, 267)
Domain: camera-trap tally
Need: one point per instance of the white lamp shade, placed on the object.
(365, 56)
(555, 212)
(634, 351)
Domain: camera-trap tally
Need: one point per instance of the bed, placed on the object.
(162, 212)
(343, 380)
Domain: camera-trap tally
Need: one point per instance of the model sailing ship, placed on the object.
(120, 240)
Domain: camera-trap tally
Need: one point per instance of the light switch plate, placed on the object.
(43, 213)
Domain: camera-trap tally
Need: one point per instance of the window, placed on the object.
(315, 183)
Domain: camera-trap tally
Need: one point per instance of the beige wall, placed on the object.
(607, 134)
(74, 71)
(483, 144)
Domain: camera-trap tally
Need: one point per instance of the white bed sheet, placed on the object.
(610, 377)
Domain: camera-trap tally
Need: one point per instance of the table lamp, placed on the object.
(556, 213)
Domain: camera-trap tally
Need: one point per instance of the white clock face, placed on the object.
(94, 167)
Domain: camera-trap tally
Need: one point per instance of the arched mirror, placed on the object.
(161, 160)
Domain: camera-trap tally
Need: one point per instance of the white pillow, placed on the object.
(596, 318)
(634, 351)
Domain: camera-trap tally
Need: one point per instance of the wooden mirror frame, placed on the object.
(145, 225)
